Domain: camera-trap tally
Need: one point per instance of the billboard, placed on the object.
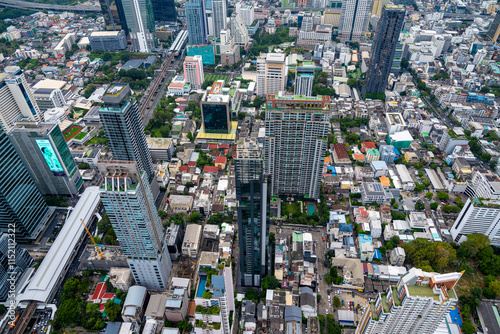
(50, 156)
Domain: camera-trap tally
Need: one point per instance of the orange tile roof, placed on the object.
(192, 307)
(327, 159)
(358, 157)
(385, 181)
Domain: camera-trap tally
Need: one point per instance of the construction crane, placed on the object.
(98, 250)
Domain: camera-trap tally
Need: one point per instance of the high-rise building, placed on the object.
(239, 30)
(304, 79)
(417, 305)
(246, 12)
(11, 267)
(22, 205)
(48, 98)
(332, 16)
(384, 47)
(215, 110)
(193, 71)
(307, 22)
(396, 60)
(377, 6)
(478, 216)
(219, 14)
(114, 16)
(485, 184)
(164, 10)
(140, 24)
(16, 99)
(129, 203)
(295, 144)
(271, 73)
(354, 20)
(123, 127)
(251, 194)
(196, 21)
(46, 155)
(494, 30)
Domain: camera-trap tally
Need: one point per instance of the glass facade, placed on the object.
(196, 20)
(164, 10)
(21, 203)
(216, 118)
(114, 15)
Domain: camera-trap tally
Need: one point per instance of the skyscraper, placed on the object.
(271, 73)
(417, 305)
(215, 110)
(140, 23)
(219, 10)
(384, 47)
(494, 30)
(114, 16)
(16, 99)
(123, 127)
(295, 144)
(21, 204)
(354, 19)
(196, 20)
(164, 10)
(304, 79)
(131, 209)
(20, 263)
(251, 193)
(46, 155)
(239, 30)
(193, 71)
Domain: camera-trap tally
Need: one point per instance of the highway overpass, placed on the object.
(56, 8)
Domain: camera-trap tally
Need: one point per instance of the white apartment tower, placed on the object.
(484, 184)
(417, 305)
(219, 15)
(304, 84)
(16, 99)
(239, 30)
(271, 73)
(246, 12)
(128, 200)
(354, 19)
(193, 71)
(478, 216)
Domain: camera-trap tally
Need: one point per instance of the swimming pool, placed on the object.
(311, 209)
(201, 286)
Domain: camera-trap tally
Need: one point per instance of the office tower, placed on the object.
(239, 30)
(396, 60)
(304, 79)
(196, 20)
(271, 73)
(384, 47)
(246, 12)
(16, 99)
(215, 110)
(193, 71)
(354, 20)
(494, 30)
(307, 22)
(295, 144)
(22, 205)
(11, 267)
(114, 16)
(485, 184)
(129, 203)
(416, 305)
(219, 14)
(478, 216)
(140, 24)
(377, 6)
(251, 194)
(46, 155)
(123, 127)
(48, 98)
(164, 10)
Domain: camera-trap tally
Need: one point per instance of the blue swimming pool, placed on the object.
(201, 286)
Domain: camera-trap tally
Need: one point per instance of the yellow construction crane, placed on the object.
(98, 250)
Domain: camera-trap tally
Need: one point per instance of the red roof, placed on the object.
(224, 146)
(100, 290)
(211, 169)
(212, 146)
(220, 160)
(192, 307)
(192, 163)
(369, 145)
(101, 307)
(108, 295)
(184, 169)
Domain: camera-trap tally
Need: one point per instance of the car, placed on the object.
(326, 311)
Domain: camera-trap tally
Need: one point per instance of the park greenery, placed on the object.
(159, 126)
(262, 42)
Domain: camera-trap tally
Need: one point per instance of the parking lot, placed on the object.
(350, 302)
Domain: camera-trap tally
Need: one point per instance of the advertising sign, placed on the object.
(50, 156)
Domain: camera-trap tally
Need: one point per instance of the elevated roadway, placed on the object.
(56, 8)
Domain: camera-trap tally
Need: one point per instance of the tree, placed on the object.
(162, 214)
(84, 165)
(252, 295)
(495, 287)
(443, 196)
(318, 298)
(190, 136)
(419, 206)
(206, 294)
(434, 206)
(486, 157)
(270, 282)
(336, 302)
(468, 328)
(196, 216)
(475, 243)
(352, 82)
(112, 310)
(429, 195)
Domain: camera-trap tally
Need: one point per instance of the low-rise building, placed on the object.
(180, 203)
(191, 241)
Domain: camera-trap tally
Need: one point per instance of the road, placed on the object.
(56, 8)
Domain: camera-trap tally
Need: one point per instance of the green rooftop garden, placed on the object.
(422, 291)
